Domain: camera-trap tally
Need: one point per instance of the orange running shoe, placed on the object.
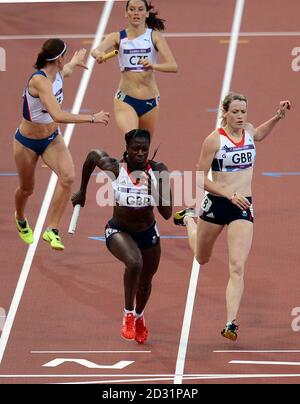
(141, 331)
(128, 327)
(230, 331)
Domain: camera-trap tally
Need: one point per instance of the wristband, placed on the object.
(93, 118)
(280, 114)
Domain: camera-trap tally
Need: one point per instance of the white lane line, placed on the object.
(170, 376)
(185, 378)
(49, 1)
(265, 363)
(167, 35)
(261, 351)
(231, 52)
(85, 352)
(159, 379)
(186, 325)
(228, 34)
(53, 376)
(149, 377)
(180, 362)
(50, 190)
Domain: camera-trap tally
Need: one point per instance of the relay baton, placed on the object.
(110, 55)
(74, 219)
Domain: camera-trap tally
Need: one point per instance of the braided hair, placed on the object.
(152, 21)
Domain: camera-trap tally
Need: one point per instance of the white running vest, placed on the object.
(33, 109)
(234, 156)
(131, 51)
(130, 194)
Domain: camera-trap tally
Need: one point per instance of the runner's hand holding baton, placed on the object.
(78, 200)
(110, 55)
(106, 56)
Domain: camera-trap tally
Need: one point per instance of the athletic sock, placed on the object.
(55, 231)
(139, 315)
(185, 220)
(129, 312)
(23, 223)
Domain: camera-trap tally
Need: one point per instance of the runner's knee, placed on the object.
(26, 191)
(134, 265)
(67, 179)
(236, 268)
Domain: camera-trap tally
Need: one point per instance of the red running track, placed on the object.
(73, 301)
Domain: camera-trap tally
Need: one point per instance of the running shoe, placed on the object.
(141, 331)
(230, 331)
(128, 327)
(25, 231)
(179, 216)
(52, 237)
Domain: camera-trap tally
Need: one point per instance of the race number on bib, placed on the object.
(206, 204)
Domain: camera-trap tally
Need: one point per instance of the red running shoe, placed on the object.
(128, 327)
(141, 332)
